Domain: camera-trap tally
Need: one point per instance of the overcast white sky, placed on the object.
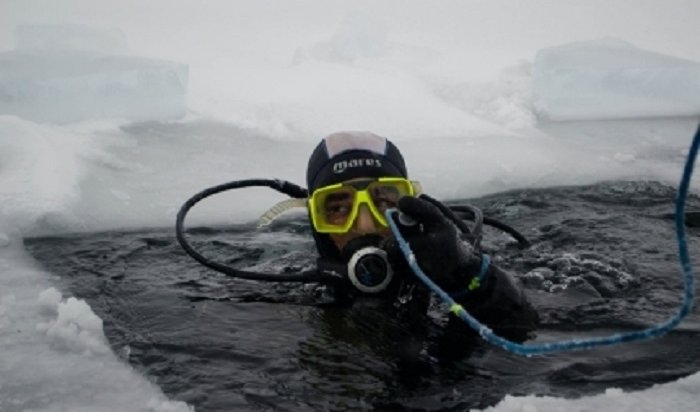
(499, 30)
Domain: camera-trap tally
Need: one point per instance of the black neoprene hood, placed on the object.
(347, 155)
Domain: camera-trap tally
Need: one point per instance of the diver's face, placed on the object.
(365, 224)
(339, 207)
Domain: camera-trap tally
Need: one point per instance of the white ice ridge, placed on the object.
(71, 324)
(681, 395)
(68, 81)
(54, 353)
(609, 78)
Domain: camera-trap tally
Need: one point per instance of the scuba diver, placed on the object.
(352, 179)
(357, 187)
(374, 229)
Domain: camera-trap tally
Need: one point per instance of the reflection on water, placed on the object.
(603, 260)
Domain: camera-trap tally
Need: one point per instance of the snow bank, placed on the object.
(681, 395)
(71, 324)
(607, 79)
(40, 170)
(54, 353)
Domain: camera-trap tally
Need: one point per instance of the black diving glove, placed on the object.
(442, 253)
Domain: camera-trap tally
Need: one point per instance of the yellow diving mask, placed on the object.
(334, 208)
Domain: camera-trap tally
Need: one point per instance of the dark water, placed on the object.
(604, 259)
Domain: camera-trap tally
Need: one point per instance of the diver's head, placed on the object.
(353, 177)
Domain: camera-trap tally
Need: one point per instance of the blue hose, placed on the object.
(574, 344)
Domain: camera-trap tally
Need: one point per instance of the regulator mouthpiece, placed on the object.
(369, 270)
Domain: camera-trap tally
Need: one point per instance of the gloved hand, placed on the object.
(440, 251)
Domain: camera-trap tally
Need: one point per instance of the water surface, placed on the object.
(603, 260)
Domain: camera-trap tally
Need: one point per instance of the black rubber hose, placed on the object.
(474, 233)
(285, 187)
(296, 191)
(469, 213)
(478, 228)
(448, 213)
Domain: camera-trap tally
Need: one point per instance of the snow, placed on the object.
(71, 324)
(458, 86)
(681, 395)
(55, 355)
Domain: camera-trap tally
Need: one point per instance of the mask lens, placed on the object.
(384, 196)
(333, 208)
(337, 207)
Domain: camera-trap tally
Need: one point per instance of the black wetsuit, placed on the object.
(499, 302)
